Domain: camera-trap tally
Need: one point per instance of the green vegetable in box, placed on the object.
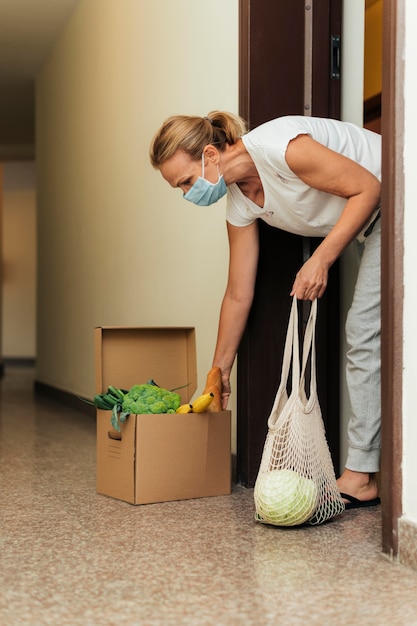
(150, 398)
(139, 399)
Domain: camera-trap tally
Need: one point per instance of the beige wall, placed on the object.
(116, 244)
(19, 261)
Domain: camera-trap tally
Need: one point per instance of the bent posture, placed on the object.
(312, 177)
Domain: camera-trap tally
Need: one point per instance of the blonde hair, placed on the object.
(192, 134)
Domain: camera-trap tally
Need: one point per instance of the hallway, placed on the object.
(71, 557)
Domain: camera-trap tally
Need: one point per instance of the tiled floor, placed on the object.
(71, 557)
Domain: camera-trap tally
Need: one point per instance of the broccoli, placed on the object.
(149, 398)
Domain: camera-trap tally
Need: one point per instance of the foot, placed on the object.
(360, 485)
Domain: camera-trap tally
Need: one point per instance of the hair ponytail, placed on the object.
(192, 134)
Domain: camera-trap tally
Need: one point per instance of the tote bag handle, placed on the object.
(292, 356)
(309, 350)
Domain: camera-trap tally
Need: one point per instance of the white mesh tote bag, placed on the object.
(296, 483)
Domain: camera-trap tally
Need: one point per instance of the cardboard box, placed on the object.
(158, 458)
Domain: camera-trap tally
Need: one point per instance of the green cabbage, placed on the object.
(284, 498)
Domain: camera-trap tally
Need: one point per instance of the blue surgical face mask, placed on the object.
(203, 192)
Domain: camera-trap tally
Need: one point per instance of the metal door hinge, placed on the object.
(335, 57)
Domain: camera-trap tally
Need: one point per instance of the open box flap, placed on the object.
(127, 356)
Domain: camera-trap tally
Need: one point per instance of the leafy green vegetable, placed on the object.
(284, 498)
(149, 398)
(138, 400)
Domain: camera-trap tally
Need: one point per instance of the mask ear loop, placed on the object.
(202, 167)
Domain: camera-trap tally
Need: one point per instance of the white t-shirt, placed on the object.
(290, 204)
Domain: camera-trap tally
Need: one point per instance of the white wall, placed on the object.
(410, 264)
(353, 31)
(116, 244)
(19, 261)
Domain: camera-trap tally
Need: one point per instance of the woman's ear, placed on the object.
(211, 153)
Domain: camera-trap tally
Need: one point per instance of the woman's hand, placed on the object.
(226, 390)
(311, 281)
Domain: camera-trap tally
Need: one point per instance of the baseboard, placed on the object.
(18, 362)
(407, 543)
(234, 468)
(65, 397)
(15, 362)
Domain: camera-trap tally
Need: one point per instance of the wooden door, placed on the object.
(289, 64)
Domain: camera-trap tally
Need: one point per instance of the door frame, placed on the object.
(392, 257)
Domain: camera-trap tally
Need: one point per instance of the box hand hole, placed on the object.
(113, 434)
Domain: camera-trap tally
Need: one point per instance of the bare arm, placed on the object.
(237, 300)
(333, 173)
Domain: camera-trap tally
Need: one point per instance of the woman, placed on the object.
(312, 177)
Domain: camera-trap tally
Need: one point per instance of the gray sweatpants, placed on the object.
(363, 369)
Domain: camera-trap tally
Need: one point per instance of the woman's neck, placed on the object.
(241, 170)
